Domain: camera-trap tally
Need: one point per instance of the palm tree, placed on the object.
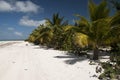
(97, 28)
(56, 21)
(115, 32)
(45, 35)
(34, 34)
(49, 34)
(67, 37)
(56, 25)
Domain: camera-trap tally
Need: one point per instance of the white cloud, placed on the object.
(19, 6)
(5, 6)
(25, 21)
(18, 33)
(27, 6)
(10, 28)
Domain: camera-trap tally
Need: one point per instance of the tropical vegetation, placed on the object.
(100, 30)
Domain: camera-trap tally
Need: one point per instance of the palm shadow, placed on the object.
(72, 59)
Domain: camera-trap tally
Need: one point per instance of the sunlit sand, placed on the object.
(19, 61)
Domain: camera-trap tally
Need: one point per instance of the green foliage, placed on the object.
(100, 30)
(56, 21)
(97, 29)
(110, 71)
(98, 11)
(53, 34)
(115, 53)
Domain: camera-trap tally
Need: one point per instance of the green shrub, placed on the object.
(115, 53)
(110, 71)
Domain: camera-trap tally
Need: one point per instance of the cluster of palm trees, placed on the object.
(100, 30)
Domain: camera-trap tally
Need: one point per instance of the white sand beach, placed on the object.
(21, 62)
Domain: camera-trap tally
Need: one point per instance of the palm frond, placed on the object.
(98, 11)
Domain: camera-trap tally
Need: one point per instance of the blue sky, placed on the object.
(19, 17)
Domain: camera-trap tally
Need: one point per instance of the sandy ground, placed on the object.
(21, 62)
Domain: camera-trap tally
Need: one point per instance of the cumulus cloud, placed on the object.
(27, 6)
(19, 6)
(25, 21)
(18, 33)
(5, 6)
(10, 28)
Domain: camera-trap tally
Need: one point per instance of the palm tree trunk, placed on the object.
(95, 53)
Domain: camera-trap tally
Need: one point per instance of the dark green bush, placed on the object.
(110, 71)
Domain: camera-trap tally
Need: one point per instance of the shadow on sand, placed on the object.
(71, 59)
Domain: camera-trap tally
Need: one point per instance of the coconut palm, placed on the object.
(56, 24)
(97, 28)
(45, 35)
(67, 37)
(56, 21)
(34, 34)
(115, 32)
